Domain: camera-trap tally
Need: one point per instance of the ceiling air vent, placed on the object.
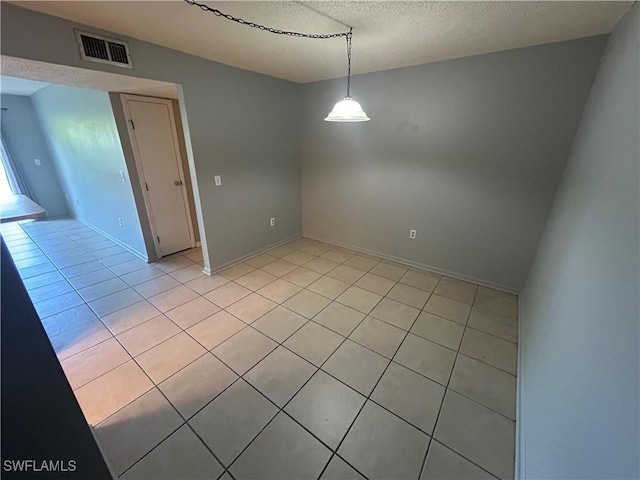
(97, 48)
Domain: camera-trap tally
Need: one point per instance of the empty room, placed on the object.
(320, 239)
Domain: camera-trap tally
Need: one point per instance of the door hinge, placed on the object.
(133, 125)
(158, 238)
(146, 185)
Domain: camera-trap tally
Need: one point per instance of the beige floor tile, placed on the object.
(299, 258)
(261, 260)
(80, 338)
(314, 343)
(339, 318)
(207, 283)
(130, 316)
(357, 366)
(148, 334)
(280, 375)
(192, 312)
(165, 359)
(346, 274)
(251, 307)
(444, 464)
(361, 262)
(132, 432)
(182, 455)
(197, 384)
(279, 323)
(326, 407)
(338, 469)
(227, 294)
(256, 280)
(427, 358)
(307, 303)
(237, 271)
(173, 298)
(321, 265)
(143, 275)
(412, 397)
(395, 313)
(281, 251)
(186, 274)
(338, 255)
(497, 301)
(81, 269)
(55, 305)
(68, 320)
(128, 266)
(216, 329)
(112, 391)
(194, 254)
(484, 437)
(490, 322)
(270, 455)
(439, 330)
(448, 308)
(91, 278)
(279, 291)
(421, 279)
(409, 295)
(43, 280)
(317, 248)
(382, 446)
(362, 300)
(279, 268)
(243, 350)
(489, 349)
(386, 270)
(328, 287)
(486, 385)
(456, 289)
(302, 277)
(93, 362)
(375, 284)
(114, 302)
(102, 289)
(378, 336)
(50, 291)
(232, 420)
(156, 286)
(173, 263)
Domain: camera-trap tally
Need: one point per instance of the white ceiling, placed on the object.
(34, 73)
(387, 34)
(20, 86)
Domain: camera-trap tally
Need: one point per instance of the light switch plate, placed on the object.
(217, 180)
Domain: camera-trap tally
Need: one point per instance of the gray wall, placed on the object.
(84, 141)
(579, 313)
(468, 152)
(25, 141)
(243, 126)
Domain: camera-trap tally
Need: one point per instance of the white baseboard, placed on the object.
(423, 266)
(248, 256)
(138, 254)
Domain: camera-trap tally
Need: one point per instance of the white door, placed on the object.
(155, 144)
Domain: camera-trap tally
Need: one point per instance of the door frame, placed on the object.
(125, 97)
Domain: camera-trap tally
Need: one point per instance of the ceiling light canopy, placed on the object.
(347, 109)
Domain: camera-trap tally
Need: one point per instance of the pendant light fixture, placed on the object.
(347, 109)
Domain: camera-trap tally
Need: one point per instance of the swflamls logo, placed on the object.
(30, 465)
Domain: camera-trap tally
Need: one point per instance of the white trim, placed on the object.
(138, 254)
(125, 98)
(520, 464)
(198, 244)
(248, 256)
(423, 266)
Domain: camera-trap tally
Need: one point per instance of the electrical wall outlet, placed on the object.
(272, 221)
(218, 180)
(38, 162)
(412, 234)
(120, 222)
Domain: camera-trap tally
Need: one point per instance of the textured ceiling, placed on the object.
(387, 34)
(20, 86)
(81, 77)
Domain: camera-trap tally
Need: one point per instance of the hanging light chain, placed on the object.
(276, 31)
(349, 36)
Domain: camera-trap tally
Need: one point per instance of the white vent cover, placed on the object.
(97, 48)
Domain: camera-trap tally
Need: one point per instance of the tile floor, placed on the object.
(308, 361)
